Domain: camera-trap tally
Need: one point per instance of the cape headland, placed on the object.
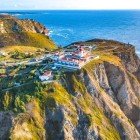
(86, 90)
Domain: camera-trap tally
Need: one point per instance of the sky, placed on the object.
(68, 4)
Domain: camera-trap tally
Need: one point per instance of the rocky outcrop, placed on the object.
(126, 129)
(12, 24)
(6, 121)
(126, 90)
(18, 32)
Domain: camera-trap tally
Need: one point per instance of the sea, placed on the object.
(68, 26)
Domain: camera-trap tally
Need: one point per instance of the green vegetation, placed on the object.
(6, 101)
(29, 125)
(19, 105)
(28, 39)
(21, 49)
(2, 71)
(19, 55)
(57, 94)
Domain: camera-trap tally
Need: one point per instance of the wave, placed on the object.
(61, 30)
(9, 13)
(17, 14)
(64, 33)
(138, 53)
(4, 13)
(66, 36)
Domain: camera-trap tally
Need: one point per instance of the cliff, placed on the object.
(99, 102)
(18, 32)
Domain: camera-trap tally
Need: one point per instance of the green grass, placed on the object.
(29, 125)
(59, 95)
(27, 39)
(2, 71)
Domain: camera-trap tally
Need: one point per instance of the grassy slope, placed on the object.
(21, 49)
(27, 39)
(29, 125)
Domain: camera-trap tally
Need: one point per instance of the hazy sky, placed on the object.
(69, 4)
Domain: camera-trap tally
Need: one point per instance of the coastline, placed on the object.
(123, 28)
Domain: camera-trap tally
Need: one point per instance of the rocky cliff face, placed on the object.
(12, 24)
(99, 102)
(108, 88)
(18, 32)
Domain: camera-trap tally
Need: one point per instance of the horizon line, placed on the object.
(70, 9)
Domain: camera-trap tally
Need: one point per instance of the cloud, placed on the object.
(69, 4)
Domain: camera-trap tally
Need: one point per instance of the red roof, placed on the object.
(3, 75)
(64, 58)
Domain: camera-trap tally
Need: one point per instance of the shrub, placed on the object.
(27, 98)
(6, 101)
(51, 103)
(32, 73)
(51, 90)
(19, 104)
(56, 77)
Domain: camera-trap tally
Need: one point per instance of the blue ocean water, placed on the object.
(70, 26)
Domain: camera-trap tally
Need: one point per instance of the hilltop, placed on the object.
(18, 32)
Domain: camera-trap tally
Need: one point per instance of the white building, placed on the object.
(46, 76)
(68, 63)
(72, 60)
